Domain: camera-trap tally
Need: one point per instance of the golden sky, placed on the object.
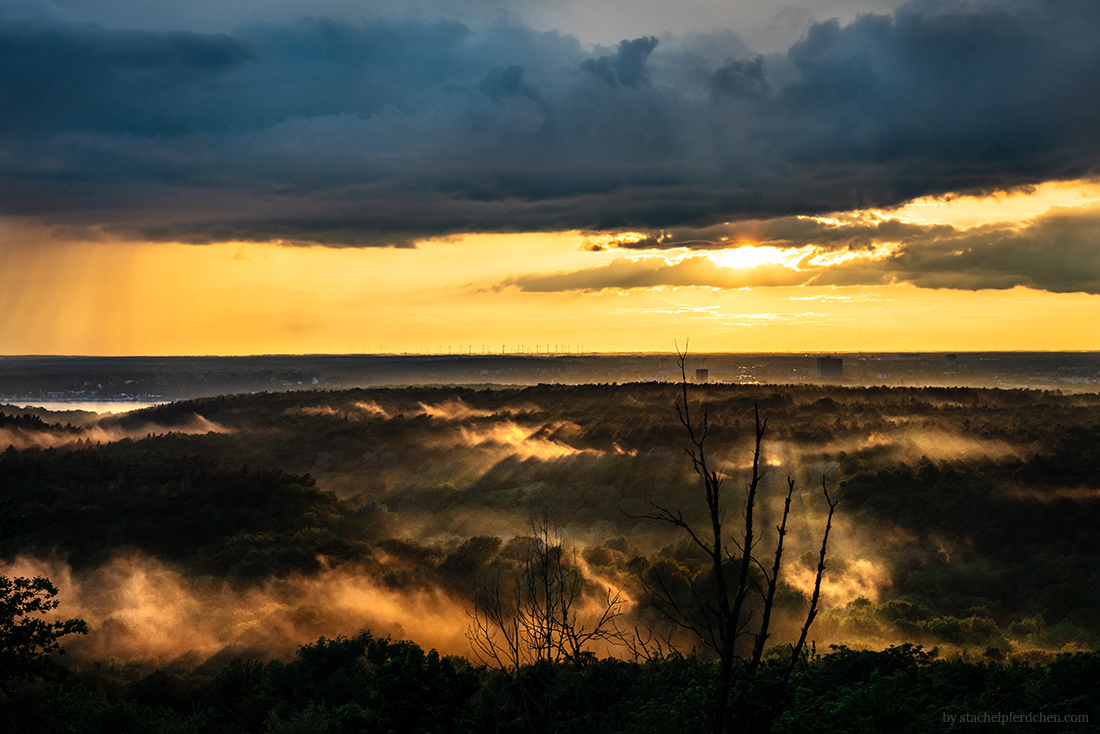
(133, 298)
(267, 176)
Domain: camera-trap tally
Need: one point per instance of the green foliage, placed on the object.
(242, 522)
(905, 689)
(70, 707)
(342, 685)
(980, 506)
(350, 685)
(25, 638)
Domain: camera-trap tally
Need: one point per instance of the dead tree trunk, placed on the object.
(725, 617)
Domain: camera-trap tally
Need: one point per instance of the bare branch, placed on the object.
(796, 651)
(537, 617)
(735, 607)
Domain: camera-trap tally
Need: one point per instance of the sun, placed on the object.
(747, 256)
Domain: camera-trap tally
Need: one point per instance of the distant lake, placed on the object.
(104, 406)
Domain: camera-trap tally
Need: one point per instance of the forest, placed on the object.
(351, 560)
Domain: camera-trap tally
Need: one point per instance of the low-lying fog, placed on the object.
(437, 469)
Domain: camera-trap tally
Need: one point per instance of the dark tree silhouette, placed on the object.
(535, 615)
(743, 590)
(26, 640)
(532, 623)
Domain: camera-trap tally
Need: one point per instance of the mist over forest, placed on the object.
(329, 398)
(240, 527)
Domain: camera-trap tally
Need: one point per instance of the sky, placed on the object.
(349, 176)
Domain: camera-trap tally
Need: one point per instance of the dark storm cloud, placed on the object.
(376, 132)
(854, 234)
(627, 66)
(1057, 252)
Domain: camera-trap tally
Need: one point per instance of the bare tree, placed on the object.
(733, 616)
(528, 622)
(538, 614)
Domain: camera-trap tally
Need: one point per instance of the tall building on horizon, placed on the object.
(830, 368)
